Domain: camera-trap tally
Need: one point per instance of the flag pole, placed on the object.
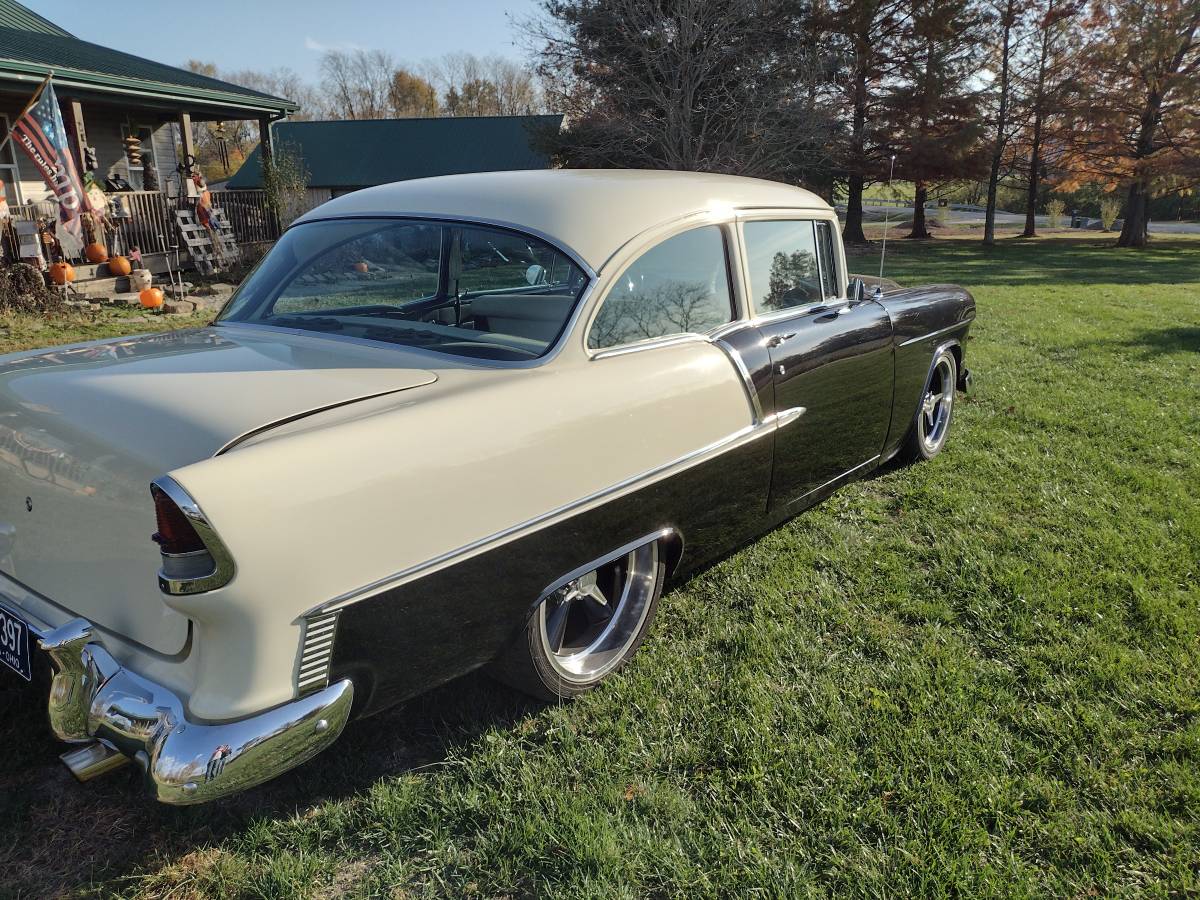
(28, 106)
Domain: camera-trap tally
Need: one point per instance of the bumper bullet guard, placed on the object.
(118, 716)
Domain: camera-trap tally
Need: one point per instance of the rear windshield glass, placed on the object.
(470, 290)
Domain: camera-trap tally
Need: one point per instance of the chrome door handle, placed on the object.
(776, 339)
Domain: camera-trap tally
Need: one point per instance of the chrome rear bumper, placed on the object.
(95, 699)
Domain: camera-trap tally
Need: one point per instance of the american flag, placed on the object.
(40, 133)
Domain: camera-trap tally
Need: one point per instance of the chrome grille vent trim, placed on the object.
(316, 652)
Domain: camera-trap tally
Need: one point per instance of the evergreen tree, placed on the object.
(933, 108)
(864, 35)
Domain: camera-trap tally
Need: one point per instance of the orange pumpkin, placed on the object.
(95, 253)
(151, 298)
(62, 272)
(361, 266)
(119, 266)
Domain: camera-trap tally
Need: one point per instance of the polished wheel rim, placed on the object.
(936, 406)
(588, 625)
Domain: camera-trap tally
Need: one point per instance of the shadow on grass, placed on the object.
(1166, 340)
(1151, 342)
(58, 836)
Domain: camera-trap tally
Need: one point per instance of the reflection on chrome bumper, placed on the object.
(94, 698)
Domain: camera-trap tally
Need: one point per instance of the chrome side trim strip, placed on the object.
(833, 481)
(738, 438)
(788, 416)
(606, 558)
(651, 344)
(747, 381)
(934, 334)
(223, 565)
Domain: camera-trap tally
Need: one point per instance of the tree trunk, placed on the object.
(1134, 232)
(852, 232)
(1035, 164)
(989, 216)
(1039, 115)
(919, 231)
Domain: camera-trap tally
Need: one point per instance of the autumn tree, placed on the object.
(1045, 83)
(862, 35)
(932, 108)
(1141, 111)
(412, 96)
(683, 84)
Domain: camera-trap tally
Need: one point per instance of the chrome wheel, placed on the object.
(933, 421)
(588, 626)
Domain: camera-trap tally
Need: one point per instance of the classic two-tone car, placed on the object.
(450, 423)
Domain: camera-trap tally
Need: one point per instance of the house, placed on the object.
(344, 156)
(107, 96)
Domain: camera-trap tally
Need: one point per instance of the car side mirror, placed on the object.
(856, 291)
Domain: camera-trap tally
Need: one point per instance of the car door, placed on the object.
(831, 357)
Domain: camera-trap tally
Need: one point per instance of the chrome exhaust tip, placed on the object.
(93, 760)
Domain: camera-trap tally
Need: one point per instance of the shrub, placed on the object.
(23, 289)
(1055, 210)
(1109, 208)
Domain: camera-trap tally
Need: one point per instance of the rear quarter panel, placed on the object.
(317, 513)
(923, 319)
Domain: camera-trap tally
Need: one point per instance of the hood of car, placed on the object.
(85, 429)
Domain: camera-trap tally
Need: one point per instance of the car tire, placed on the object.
(587, 629)
(931, 425)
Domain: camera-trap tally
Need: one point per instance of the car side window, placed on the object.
(782, 258)
(498, 261)
(676, 287)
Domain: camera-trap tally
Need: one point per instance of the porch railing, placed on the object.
(150, 224)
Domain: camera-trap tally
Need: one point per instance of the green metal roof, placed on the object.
(363, 152)
(31, 47)
(14, 15)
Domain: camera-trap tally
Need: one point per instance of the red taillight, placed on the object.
(175, 533)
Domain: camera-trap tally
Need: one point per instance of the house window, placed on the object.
(8, 166)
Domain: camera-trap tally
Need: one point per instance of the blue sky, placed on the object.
(269, 34)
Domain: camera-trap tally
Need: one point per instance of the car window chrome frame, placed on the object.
(633, 251)
(810, 216)
(582, 302)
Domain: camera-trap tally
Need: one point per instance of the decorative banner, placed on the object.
(40, 133)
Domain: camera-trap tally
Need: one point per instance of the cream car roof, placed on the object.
(592, 212)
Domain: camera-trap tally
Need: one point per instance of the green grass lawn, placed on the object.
(974, 677)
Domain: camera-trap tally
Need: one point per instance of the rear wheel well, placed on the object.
(671, 544)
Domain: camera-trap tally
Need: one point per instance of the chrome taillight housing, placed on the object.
(194, 559)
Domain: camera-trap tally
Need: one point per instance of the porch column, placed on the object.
(189, 142)
(75, 115)
(266, 150)
(264, 140)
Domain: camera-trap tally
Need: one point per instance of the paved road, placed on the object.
(975, 217)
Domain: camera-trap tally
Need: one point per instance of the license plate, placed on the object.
(14, 643)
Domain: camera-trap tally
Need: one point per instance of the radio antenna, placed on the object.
(886, 215)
